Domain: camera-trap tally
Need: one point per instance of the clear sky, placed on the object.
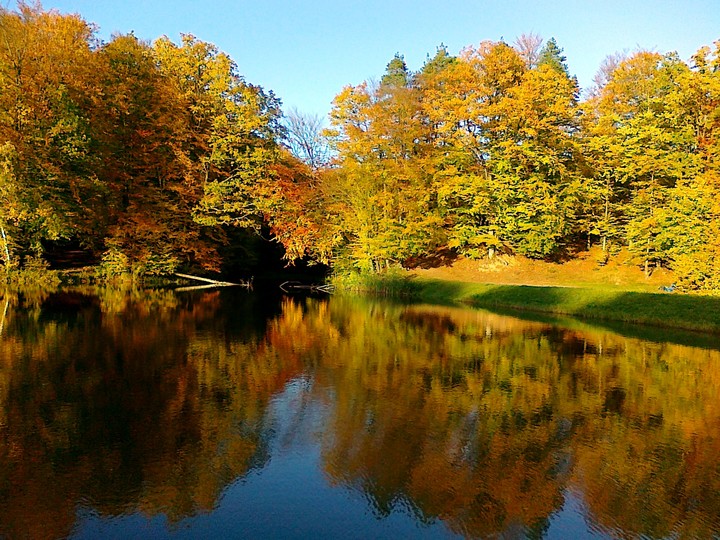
(306, 51)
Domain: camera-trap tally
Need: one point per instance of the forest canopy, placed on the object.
(159, 156)
(146, 153)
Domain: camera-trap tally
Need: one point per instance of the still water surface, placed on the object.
(224, 414)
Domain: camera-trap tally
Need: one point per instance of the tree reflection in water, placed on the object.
(155, 402)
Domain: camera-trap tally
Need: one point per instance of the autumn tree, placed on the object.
(230, 138)
(518, 124)
(145, 165)
(692, 225)
(452, 98)
(157, 155)
(381, 196)
(534, 161)
(141, 152)
(50, 188)
(642, 146)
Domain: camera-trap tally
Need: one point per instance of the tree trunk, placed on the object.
(6, 251)
(211, 281)
(2, 321)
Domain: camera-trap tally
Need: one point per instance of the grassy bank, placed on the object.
(680, 311)
(687, 312)
(395, 283)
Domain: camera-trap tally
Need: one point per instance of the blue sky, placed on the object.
(307, 51)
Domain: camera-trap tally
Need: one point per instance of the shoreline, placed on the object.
(665, 310)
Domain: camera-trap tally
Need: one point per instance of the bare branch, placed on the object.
(528, 47)
(605, 71)
(304, 138)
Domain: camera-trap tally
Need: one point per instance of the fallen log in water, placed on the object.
(215, 283)
(197, 287)
(290, 286)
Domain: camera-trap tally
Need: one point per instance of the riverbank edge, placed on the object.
(682, 311)
(666, 310)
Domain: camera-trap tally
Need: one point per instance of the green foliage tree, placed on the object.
(396, 73)
(552, 55)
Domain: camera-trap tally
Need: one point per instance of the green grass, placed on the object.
(688, 312)
(395, 283)
(676, 311)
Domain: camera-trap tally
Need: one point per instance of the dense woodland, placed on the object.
(161, 156)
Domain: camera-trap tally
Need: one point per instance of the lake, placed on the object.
(228, 414)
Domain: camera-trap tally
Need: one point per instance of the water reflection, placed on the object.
(130, 411)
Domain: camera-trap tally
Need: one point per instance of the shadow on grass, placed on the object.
(657, 334)
(677, 311)
(678, 318)
(441, 292)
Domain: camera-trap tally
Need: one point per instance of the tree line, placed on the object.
(150, 154)
(494, 151)
(161, 156)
